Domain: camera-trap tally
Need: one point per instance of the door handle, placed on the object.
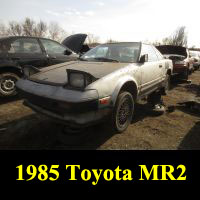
(53, 57)
(160, 66)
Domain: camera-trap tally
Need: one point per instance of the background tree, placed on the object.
(111, 41)
(40, 29)
(178, 38)
(30, 27)
(14, 29)
(3, 31)
(92, 39)
(55, 32)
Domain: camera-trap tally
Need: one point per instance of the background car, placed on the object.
(105, 83)
(195, 55)
(19, 51)
(182, 63)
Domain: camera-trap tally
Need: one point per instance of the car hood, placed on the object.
(75, 42)
(57, 74)
(170, 49)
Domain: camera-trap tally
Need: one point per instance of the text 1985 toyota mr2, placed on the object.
(104, 83)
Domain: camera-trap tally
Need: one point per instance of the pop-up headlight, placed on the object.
(79, 79)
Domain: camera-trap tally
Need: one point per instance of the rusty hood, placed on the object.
(57, 74)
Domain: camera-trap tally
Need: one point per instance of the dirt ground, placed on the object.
(21, 128)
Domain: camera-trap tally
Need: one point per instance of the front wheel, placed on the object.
(7, 84)
(123, 112)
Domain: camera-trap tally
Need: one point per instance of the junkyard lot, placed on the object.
(21, 128)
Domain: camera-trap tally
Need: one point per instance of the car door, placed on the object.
(162, 63)
(27, 51)
(151, 70)
(55, 52)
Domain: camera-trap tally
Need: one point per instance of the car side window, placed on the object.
(159, 55)
(25, 45)
(102, 52)
(147, 49)
(52, 47)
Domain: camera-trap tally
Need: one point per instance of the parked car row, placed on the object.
(82, 86)
(195, 55)
(184, 61)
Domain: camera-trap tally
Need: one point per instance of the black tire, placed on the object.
(7, 84)
(123, 112)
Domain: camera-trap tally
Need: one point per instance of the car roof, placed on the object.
(118, 43)
(16, 37)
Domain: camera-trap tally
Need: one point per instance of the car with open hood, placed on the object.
(19, 51)
(182, 63)
(195, 55)
(105, 83)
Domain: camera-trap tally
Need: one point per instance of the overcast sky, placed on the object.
(122, 20)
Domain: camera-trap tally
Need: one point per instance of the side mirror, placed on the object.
(66, 52)
(143, 58)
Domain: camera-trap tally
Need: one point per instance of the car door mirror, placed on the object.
(143, 58)
(66, 52)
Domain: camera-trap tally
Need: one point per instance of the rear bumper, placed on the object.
(179, 69)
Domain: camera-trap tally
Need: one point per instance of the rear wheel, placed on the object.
(123, 112)
(167, 83)
(7, 84)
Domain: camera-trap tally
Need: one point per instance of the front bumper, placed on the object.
(82, 119)
(74, 108)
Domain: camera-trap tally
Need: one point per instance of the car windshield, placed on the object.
(116, 52)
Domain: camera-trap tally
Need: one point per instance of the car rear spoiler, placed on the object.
(29, 70)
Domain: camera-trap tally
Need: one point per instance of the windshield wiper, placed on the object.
(106, 59)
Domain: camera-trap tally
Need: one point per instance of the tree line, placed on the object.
(30, 27)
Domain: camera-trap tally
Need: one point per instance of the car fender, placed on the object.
(122, 81)
(10, 67)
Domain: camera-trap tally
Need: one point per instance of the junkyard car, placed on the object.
(195, 55)
(104, 84)
(182, 63)
(18, 51)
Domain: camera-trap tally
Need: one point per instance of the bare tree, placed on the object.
(14, 29)
(178, 38)
(111, 41)
(28, 27)
(3, 30)
(56, 32)
(40, 29)
(92, 39)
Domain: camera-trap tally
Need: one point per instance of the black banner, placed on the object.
(99, 168)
